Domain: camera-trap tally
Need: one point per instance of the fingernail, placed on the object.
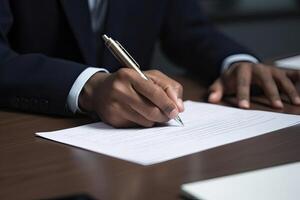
(297, 100)
(180, 103)
(173, 114)
(244, 104)
(212, 97)
(278, 104)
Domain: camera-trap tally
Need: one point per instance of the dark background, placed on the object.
(270, 28)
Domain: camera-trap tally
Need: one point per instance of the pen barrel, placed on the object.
(117, 51)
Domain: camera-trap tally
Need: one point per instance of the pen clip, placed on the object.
(128, 54)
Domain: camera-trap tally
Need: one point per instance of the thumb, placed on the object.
(216, 91)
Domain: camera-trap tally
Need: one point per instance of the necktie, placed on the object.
(98, 14)
(98, 10)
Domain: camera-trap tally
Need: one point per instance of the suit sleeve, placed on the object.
(33, 82)
(190, 40)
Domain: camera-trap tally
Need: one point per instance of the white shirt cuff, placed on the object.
(72, 100)
(237, 58)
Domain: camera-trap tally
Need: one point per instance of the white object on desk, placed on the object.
(289, 63)
(275, 183)
(206, 126)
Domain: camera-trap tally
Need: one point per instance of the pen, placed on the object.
(126, 59)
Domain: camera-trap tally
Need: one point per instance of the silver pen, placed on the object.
(126, 59)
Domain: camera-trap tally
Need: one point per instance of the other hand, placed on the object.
(125, 99)
(240, 76)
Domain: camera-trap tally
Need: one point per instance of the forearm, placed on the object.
(37, 83)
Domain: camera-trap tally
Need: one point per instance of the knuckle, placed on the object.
(117, 86)
(279, 74)
(178, 86)
(262, 69)
(156, 92)
(124, 73)
(259, 65)
(154, 114)
(155, 72)
(244, 67)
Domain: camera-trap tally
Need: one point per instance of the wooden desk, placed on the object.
(34, 168)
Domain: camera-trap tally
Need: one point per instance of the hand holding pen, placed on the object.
(126, 99)
(126, 59)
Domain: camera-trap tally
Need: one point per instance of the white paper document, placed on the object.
(275, 183)
(206, 126)
(289, 63)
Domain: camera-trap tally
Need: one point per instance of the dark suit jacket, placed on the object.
(45, 45)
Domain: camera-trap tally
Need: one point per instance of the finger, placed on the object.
(127, 95)
(125, 117)
(156, 95)
(145, 108)
(173, 89)
(243, 85)
(216, 91)
(270, 88)
(133, 116)
(289, 88)
(115, 116)
(294, 75)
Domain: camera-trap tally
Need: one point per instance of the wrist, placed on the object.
(87, 94)
(227, 63)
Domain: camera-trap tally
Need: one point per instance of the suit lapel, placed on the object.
(77, 13)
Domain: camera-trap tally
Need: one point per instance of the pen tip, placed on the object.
(179, 121)
(182, 124)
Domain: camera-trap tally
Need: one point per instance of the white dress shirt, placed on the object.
(79, 83)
